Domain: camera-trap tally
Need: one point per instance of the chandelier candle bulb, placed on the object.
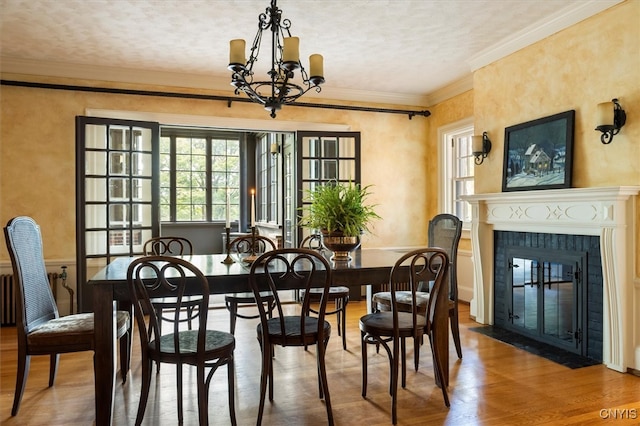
(237, 52)
(605, 114)
(291, 49)
(316, 66)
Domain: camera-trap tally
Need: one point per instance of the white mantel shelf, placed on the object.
(608, 212)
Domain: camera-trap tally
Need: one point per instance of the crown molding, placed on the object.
(193, 81)
(457, 87)
(564, 18)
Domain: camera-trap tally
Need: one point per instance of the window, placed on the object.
(198, 168)
(456, 175)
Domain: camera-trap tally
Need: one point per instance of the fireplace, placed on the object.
(548, 287)
(607, 213)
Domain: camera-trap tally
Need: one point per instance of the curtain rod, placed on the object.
(228, 99)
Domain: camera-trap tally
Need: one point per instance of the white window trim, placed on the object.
(444, 159)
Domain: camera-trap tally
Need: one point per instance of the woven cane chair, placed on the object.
(40, 328)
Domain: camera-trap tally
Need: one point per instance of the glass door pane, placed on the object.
(325, 157)
(117, 193)
(558, 300)
(524, 293)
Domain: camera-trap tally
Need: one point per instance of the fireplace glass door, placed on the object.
(545, 300)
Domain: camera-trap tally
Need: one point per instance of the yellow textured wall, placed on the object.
(591, 62)
(37, 156)
(446, 112)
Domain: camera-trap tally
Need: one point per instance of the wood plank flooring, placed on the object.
(494, 384)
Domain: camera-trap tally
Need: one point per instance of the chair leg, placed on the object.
(455, 331)
(403, 349)
(342, 320)
(159, 316)
(125, 354)
(231, 384)
(147, 366)
(417, 341)
(363, 345)
(233, 311)
(271, 352)
(179, 389)
(203, 411)
(189, 313)
(266, 363)
(126, 344)
(394, 380)
(322, 371)
(53, 368)
(21, 379)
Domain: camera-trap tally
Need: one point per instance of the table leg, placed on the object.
(105, 352)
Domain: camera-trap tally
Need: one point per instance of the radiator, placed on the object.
(8, 296)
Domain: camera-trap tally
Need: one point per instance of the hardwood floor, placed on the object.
(494, 384)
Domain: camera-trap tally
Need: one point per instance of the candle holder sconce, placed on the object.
(228, 260)
(252, 252)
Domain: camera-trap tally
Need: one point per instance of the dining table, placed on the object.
(367, 267)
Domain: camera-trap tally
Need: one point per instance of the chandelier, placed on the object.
(279, 89)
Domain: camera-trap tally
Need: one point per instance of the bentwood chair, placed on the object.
(243, 247)
(395, 326)
(339, 295)
(202, 348)
(286, 269)
(172, 246)
(40, 328)
(444, 232)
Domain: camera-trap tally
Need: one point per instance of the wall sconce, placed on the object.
(481, 146)
(275, 149)
(611, 118)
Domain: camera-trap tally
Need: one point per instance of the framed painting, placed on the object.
(538, 154)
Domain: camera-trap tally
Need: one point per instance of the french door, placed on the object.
(117, 193)
(324, 157)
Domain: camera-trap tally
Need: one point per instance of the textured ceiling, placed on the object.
(414, 47)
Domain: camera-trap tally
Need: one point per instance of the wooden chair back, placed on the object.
(292, 268)
(167, 246)
(165, 276)
(412, 269)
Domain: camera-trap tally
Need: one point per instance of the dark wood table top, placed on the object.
(368, 266)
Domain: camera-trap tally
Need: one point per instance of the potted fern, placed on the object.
(339, 211)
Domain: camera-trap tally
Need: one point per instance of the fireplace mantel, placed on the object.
(608, 212)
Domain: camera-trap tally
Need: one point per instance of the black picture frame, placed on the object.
(538, 154)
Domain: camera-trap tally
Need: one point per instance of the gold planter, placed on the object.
(340, 245)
